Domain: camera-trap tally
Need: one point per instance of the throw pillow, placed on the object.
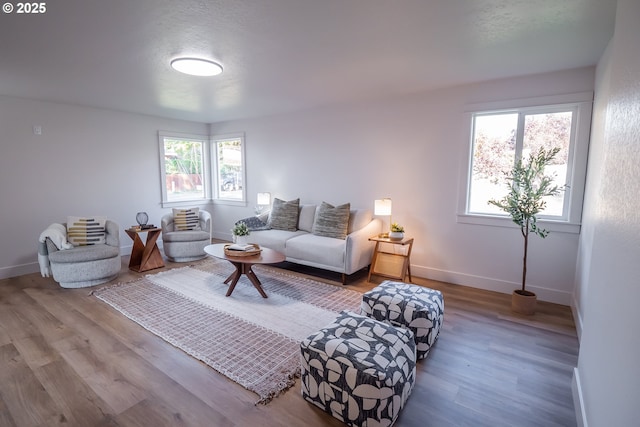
(332, 221)
(284, 215)
(83, 231)
(186, 219)
(254, 223)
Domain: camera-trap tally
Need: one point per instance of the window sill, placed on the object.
(496, 221)
(229, 202)
(186, 203)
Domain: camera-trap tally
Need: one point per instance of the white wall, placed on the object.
(86, 162)
(607, 379)
(593, 186)
(410, 149)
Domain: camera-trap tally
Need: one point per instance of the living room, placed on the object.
(411, 147)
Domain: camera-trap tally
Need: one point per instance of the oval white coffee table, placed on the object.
(243, 264)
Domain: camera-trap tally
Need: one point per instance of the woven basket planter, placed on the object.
(523, 302)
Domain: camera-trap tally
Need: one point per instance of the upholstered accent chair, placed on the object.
(185, 245)
(82, 265)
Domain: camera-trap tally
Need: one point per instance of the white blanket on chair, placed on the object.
(58, 235)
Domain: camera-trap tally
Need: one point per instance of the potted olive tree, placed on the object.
(528, 187)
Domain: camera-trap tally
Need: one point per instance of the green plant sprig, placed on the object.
(240, 229)
(395, 227)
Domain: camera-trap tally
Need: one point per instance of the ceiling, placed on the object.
(286, 55)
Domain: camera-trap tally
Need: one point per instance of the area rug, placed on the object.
(254, 341)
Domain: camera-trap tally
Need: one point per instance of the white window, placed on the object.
(501, 136)
(182, 168)
(190, 163)
(229, 167)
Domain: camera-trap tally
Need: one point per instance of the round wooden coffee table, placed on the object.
(243, 264)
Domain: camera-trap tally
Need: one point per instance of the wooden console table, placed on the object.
(145, 256)
(392, 265)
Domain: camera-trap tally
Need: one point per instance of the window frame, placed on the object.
(215, 171)
(165, 202)
(209, 169)
(581, 104)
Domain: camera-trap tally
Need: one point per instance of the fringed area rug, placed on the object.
(254, 341)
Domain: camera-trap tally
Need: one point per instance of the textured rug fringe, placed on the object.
(279, 388)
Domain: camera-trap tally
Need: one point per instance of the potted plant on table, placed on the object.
(397, 231)
(240, 232)
(528, 187)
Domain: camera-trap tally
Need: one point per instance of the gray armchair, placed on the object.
(83, 266)
(185, 245)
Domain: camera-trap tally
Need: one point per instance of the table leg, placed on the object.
(235, 276)
(245, 269)
(254, 279)
(372, 266)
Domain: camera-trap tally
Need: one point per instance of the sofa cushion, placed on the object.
(284, 215)
(185, 236)
(274, 239)
(84, 254)
(332, 221)
(307, 216)
(318, 250)
(186, 219)
(86, 231)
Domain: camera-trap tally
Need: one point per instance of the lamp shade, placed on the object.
(382, 207)
(264, 199)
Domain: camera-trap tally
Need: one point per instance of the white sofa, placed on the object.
(303, 247)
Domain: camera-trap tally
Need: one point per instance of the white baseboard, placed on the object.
(19, 270)
(490, 284)
(544, 294)
(578, 402)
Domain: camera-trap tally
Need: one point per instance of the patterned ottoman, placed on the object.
(408, 306)
(359, 370)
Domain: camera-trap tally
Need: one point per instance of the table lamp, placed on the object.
(382, 207)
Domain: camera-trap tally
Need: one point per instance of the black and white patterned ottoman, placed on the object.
(359, 370)
(410, 306)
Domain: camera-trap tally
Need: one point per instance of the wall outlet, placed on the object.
(37, 130)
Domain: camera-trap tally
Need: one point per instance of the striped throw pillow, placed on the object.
(186, 219)
(83, 231)
(332, 221)
(284, 215)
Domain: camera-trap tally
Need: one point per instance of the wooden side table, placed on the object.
(392, 265)
(145, 256)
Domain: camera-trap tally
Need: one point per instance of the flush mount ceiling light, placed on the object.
(196, 66)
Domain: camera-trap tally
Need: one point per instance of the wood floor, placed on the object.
(68, 359)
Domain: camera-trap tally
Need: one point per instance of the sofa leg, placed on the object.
(344, 279)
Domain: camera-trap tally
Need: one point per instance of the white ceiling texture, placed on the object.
(285, 55)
